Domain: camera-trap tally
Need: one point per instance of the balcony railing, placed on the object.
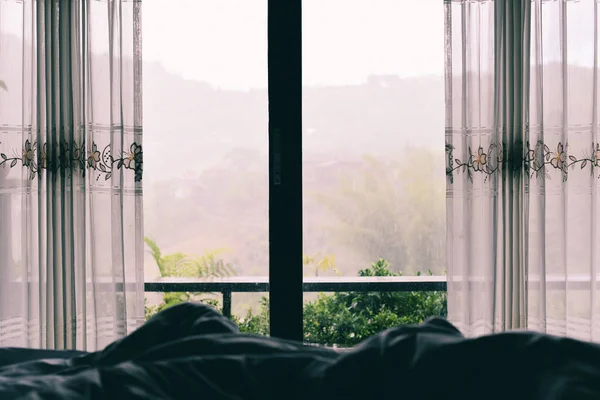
(227, 286)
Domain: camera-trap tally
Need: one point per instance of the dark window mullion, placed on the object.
(285, 168)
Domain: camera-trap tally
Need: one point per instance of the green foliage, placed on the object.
(340, 319)
(316, 263)
(255, 323)
(345, 319)
(207, 266)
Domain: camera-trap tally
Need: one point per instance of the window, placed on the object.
(359, 108)
(373, 142)
(206, 144)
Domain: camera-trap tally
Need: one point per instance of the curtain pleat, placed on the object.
(71, 238)
(522, 197)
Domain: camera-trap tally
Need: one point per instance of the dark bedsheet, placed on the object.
(190, 351)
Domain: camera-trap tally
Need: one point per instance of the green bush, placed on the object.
(345, 319)
(255, 323)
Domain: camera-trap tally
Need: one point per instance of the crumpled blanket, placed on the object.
(190, 351)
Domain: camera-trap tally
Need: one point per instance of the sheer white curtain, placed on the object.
(71, 227)
(523, 166)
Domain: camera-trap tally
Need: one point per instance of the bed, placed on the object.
(190, 351)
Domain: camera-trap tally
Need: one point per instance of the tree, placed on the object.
(393, 210)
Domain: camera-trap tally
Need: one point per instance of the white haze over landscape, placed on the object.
(347, 114)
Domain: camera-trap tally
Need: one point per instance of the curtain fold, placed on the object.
(523, 166)
(71, 226)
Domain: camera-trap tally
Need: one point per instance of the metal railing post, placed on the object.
(226, 303)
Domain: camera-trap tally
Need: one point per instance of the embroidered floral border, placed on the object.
(534, 160)
(75, 157)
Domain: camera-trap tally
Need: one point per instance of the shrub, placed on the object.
(345, 319)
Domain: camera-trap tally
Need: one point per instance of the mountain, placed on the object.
(204, 123)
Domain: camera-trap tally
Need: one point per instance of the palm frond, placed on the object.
(155, 253)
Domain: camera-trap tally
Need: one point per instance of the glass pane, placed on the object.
(206, 143)
(374, 175)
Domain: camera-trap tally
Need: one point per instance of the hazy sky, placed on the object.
(224, 42)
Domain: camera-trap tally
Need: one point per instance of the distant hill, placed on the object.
(338, 121)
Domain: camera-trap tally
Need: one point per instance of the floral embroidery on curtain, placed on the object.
(533, 159)
(75, 157)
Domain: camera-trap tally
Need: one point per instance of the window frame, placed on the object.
(284, 38)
